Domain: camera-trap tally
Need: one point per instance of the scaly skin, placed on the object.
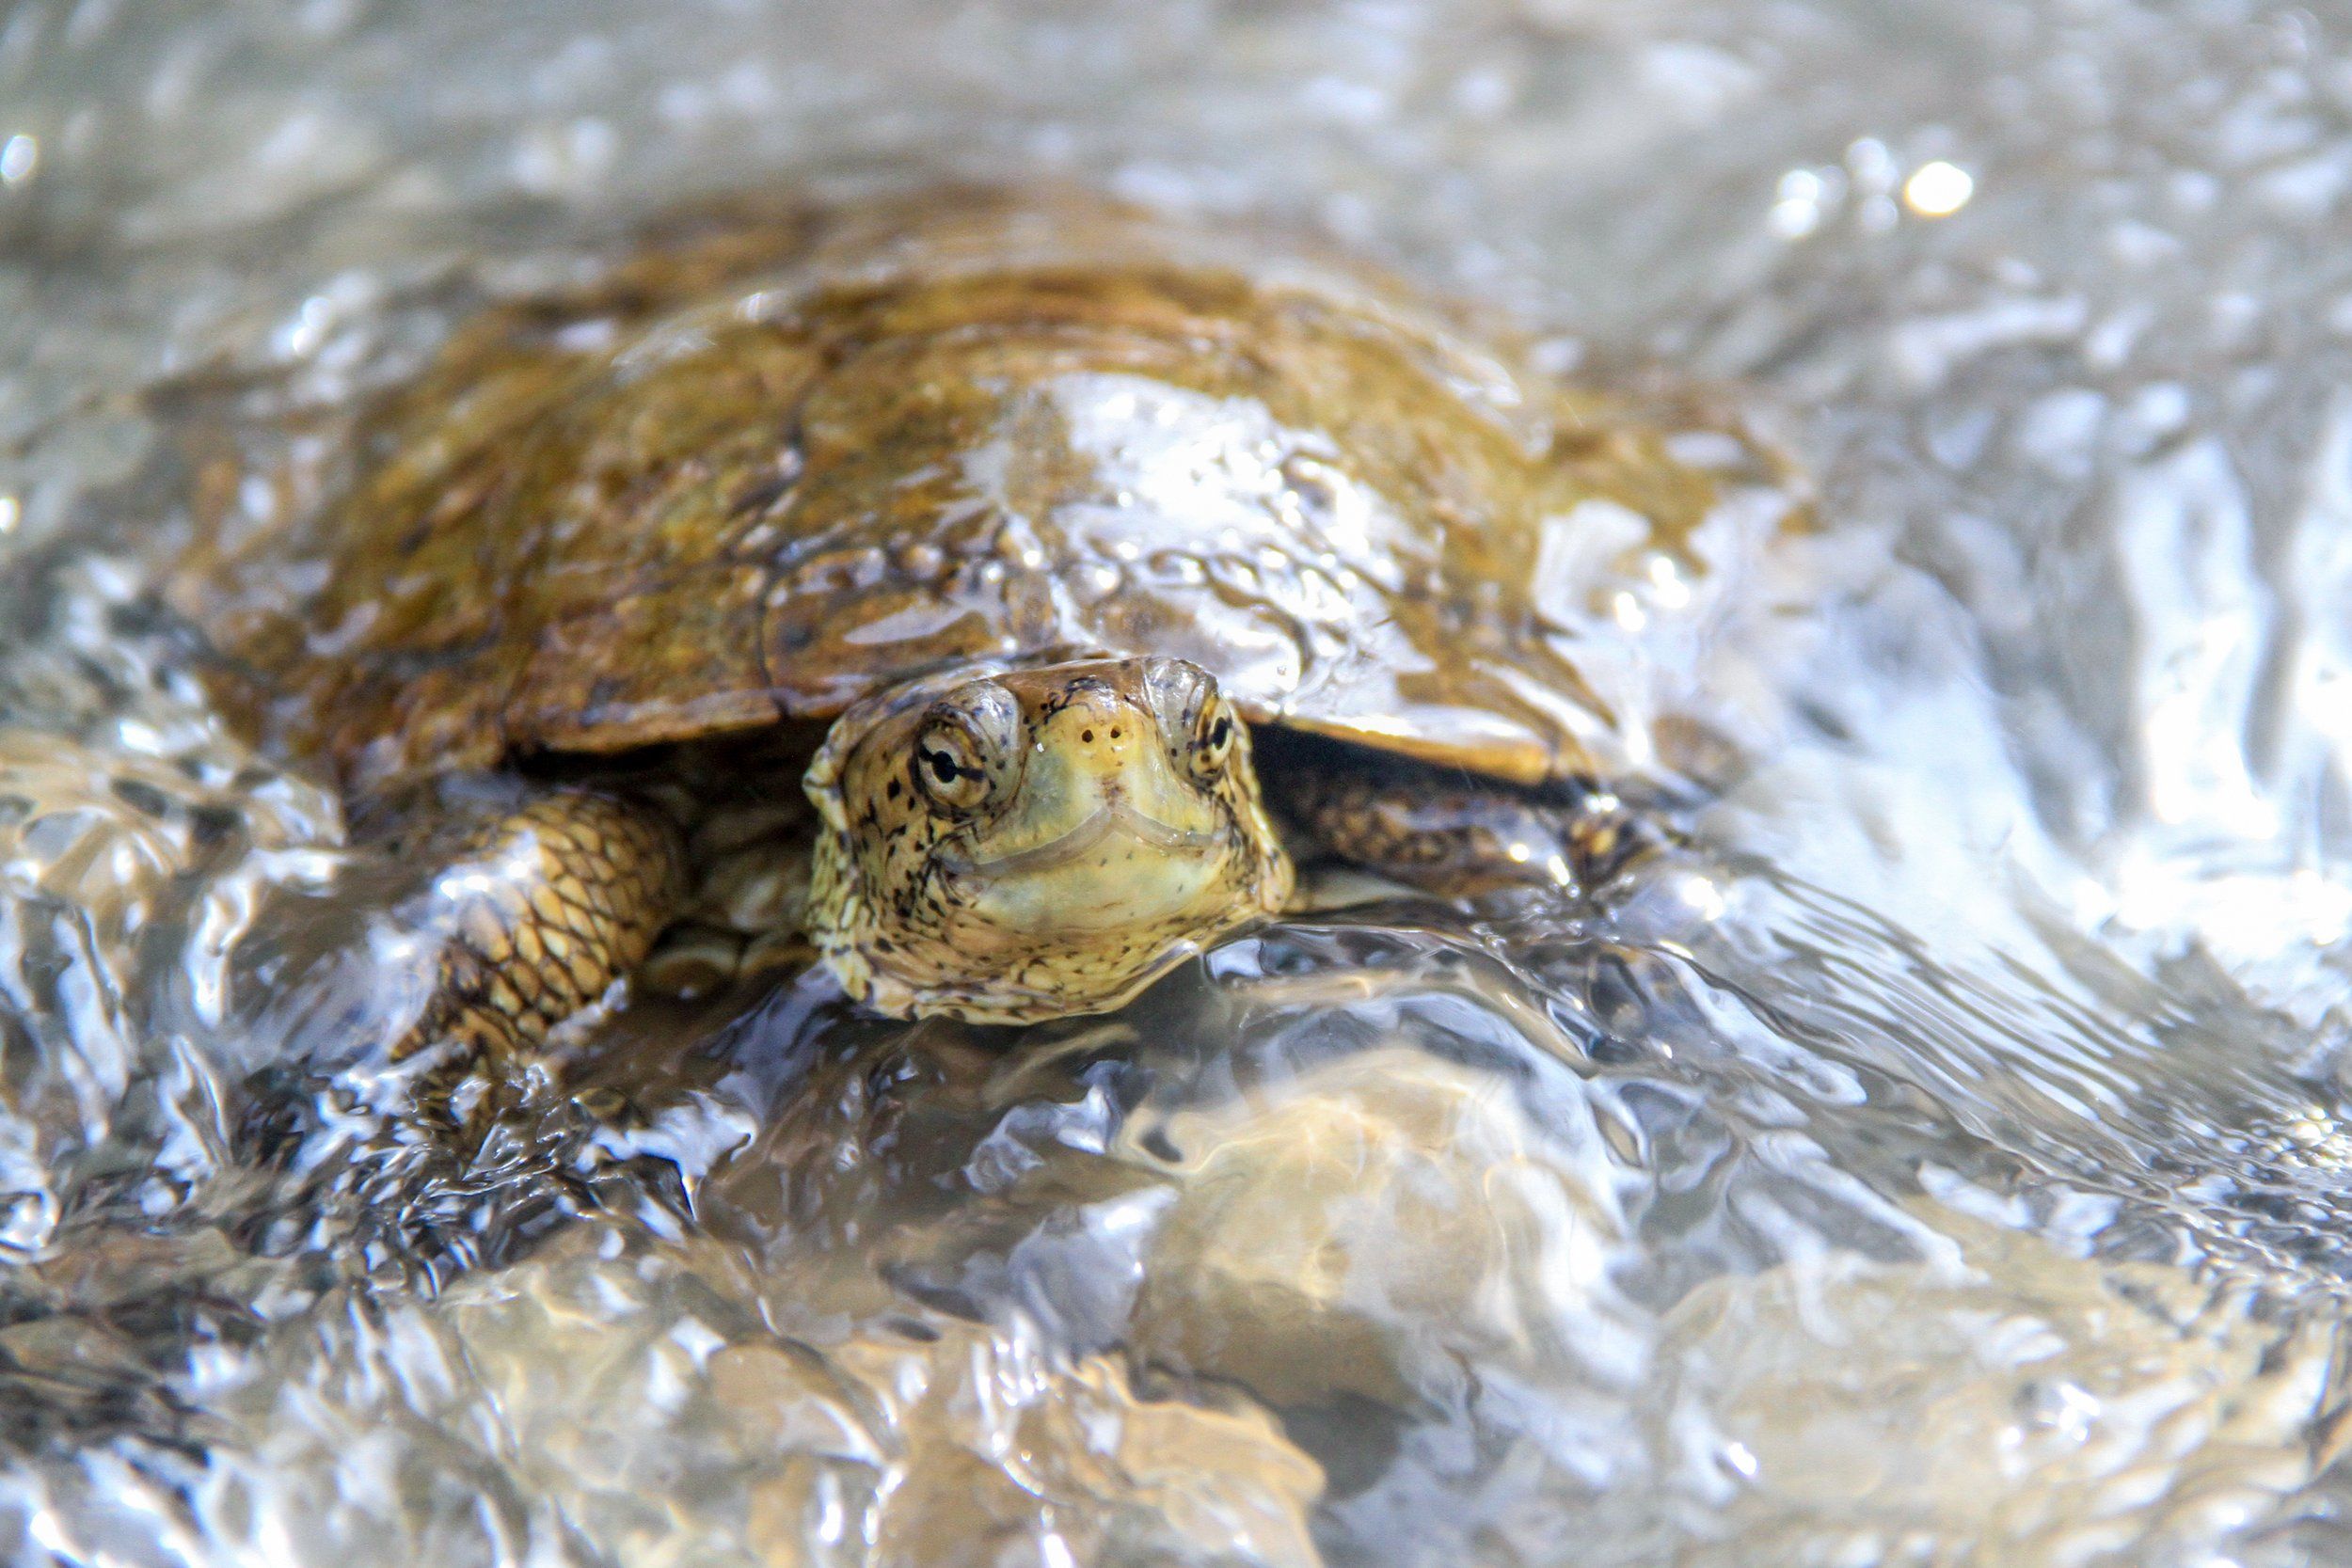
(1000, 847)
(1453, 832)
(548, 907)
(1103, 823)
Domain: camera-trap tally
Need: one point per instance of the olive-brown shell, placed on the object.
(769, 474)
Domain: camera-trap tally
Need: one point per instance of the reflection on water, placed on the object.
(1944, 1165)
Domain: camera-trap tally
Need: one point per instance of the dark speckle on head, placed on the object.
(1029, 851)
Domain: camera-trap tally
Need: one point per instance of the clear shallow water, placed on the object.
(1948, 1171)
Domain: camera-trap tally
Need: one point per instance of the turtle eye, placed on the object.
(968, 747)
(948, 767)
(1213, 738)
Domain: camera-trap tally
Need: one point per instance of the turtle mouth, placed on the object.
(1113, 816)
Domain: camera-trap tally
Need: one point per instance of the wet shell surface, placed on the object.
(768, 471)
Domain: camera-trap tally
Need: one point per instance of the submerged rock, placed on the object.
(2035, 1406)
(1376, 1227)
(622, 1398)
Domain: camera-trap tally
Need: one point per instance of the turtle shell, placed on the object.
(770, 472)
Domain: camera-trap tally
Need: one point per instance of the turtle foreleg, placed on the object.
(1456, 834)
(543, 909)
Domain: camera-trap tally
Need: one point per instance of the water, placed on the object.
(1946, 1168)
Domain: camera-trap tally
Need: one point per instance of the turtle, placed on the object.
(1080, 567)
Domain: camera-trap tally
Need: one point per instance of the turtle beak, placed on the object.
(1105, 831)
(1122, 833)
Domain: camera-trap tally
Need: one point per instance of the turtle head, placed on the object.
(1018, 846)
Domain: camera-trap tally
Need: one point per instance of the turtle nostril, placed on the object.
(1087, 737)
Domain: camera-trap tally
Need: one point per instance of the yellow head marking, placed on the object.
(1019, 845)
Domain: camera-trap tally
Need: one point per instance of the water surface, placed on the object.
(1942, 1167)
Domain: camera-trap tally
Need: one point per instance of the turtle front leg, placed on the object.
(545, 907)
(1458, 834)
